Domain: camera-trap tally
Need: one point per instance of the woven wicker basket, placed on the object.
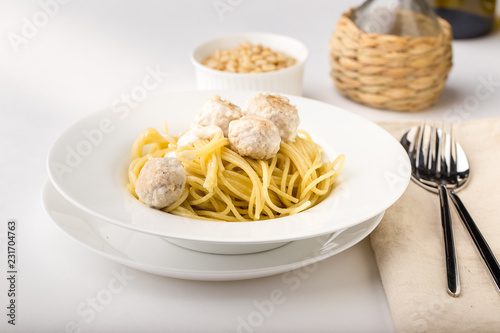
(390, 72)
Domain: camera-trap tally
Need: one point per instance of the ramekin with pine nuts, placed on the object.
(251, 61)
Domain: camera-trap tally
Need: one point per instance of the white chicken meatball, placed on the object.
(218, 112)
(198, 132)
(161, 182)
(254, 137)
(277, 109)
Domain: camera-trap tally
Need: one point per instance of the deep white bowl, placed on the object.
(287, 80)
(88, 166)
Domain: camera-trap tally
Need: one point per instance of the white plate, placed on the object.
(88, 165)
(155, 255)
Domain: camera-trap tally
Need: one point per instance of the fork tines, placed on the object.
(436, 152)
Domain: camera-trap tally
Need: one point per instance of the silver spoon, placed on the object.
(455, 182)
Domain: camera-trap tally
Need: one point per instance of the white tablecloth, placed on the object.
(62, 60)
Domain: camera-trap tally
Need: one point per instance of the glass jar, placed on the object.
(413, 18)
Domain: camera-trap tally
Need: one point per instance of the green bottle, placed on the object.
(468, 18)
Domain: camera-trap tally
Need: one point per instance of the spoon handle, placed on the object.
(449, 244)
(488, 256)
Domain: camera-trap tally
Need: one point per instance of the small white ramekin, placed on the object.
(287, 81)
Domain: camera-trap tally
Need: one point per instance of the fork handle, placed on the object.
(449, 244)
(488, 256)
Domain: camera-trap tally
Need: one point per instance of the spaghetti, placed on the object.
(222, 185)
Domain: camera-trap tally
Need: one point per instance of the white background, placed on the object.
(82, 59)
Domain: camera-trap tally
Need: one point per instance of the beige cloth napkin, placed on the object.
(409, 249)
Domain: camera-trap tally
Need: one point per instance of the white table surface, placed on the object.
(84, 57)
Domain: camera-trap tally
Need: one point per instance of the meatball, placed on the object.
(198, 132)
(254, 137)
(218, 112)
(161, 182)
(277, 109)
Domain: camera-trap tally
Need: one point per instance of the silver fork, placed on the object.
(437, 159)
(435, 167)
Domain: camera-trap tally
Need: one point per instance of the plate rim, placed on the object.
(199, 275)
